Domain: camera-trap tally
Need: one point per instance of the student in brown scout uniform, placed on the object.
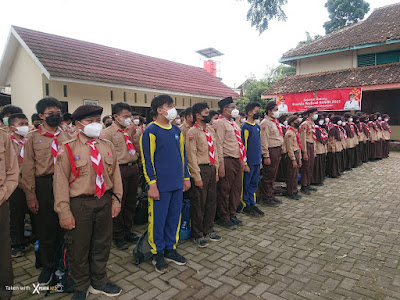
(87, 189)
(18, 127)
(319, 170)
(308, 139)
(293, 147)
(37, 180)
(125, 139)
(231, 157)
(9, 173)
(364, 134)
(335, 148)
(203, 166)
(350, 146)
(387, 131)
(379, 143)
(373, 138)
(271, 149)
(188, 122)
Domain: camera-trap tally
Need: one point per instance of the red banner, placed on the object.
(340, 99)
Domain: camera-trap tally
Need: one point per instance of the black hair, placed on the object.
(153, 114)
(134, 113)
(105, 118)
(213, 113)
(251, 105)
(182, 114)
(13, 117)
(188, 112)
(159, 101)
(282, 118)
(118, 107)
(35, 117)
(11, 109)
(47, 102)
(67, 117)
(197, 108)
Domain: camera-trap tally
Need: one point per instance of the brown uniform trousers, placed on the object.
(203, 202)
(292, 174)
(89, 243)
(122, 224)
(229, 188)
(307, 167)
(6, 271)
(269, 173)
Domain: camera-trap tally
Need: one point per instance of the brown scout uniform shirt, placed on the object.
(17, 149)
(197, 150)
(184, 129)
(9, 171)
(270, 136)
(291, 144)
(38, 160)
(306, 134)
(85, 183)
(334, 145)
(118, 139)
(227, 143)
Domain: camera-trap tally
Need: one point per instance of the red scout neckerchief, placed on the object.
(278, 125)
(356, 128)
(324, 134)
(129, 145)
(312, 129)
(54, 145)
(388, 126)
(21, 143)
(364, 126)
(211, 153)
(378, 125)
(373, 125)
(340, 131)
(95, 157)
(242, 149)
(297, 137)
(343, 131)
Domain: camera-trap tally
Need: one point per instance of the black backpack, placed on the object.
(141, 214)
(142, 250)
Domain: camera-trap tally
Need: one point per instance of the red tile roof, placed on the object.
(73, 59)
(382, 25)
(365, 76)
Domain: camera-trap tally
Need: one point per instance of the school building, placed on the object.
(36, 64)
(365, 54)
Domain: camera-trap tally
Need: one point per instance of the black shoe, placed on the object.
(293, 196)
(109, 289)
(201, 242)
(277, 200)
(45, 276)
(271, 202)
(212, 236)
(317, 184)
(174, 256)
(121, 244)
(240, 208)
(300, 196)
(305, 190)
(236, 221)
(257, 210)
(227, 224)
(160, 264)
(311, 189)
(80, 295)
(17, 252)
(131, 238)
(248, 210)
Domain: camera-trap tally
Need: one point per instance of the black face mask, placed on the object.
(37, 126)
(297, 124)
(256, 116)
(54, 120)
(206, 119)
(108, 124)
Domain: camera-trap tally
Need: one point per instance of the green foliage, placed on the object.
(309, 39)
(262, 11)
(343, 13)
(253, 88)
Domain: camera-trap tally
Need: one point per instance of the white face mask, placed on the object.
(235, 113)
(171, 114)
(285, 123)
(339, 122)
(321, 122)
(243, 120)
(275, 114)
(379, 118)
(386, 120)
(22, 130)
(300, 119)
(257, 121)
(178, 121)
(327, 120)
(350, 120)
(92, 130)
(136, 121)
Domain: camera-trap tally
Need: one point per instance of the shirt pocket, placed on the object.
(83, 164)
(108, 162)
(42, 150)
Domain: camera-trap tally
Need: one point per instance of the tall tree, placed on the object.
(343, 13)
(262, 11)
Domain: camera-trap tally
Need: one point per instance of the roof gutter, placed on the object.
(356, 47)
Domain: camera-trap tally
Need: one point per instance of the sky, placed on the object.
(175, 29)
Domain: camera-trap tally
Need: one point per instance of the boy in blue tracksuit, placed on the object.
(166, 171)
(252, 143)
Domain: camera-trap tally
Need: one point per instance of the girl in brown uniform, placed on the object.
(318, 175)
(335, 148)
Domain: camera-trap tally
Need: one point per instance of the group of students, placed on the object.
(79, 178)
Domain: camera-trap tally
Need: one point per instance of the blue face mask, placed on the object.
(5, 121)
(315, 117)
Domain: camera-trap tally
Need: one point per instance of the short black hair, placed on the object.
(67, 116)
(134, 113)
(213, 113)
(197, 108)
(106, 117)
(118, 107)
(182, 114)
(47, 102)
(153, 114)
(188, 112)
(35, 117)
(14, 117)
(159, 101)
(251, 105)
(11, 109)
